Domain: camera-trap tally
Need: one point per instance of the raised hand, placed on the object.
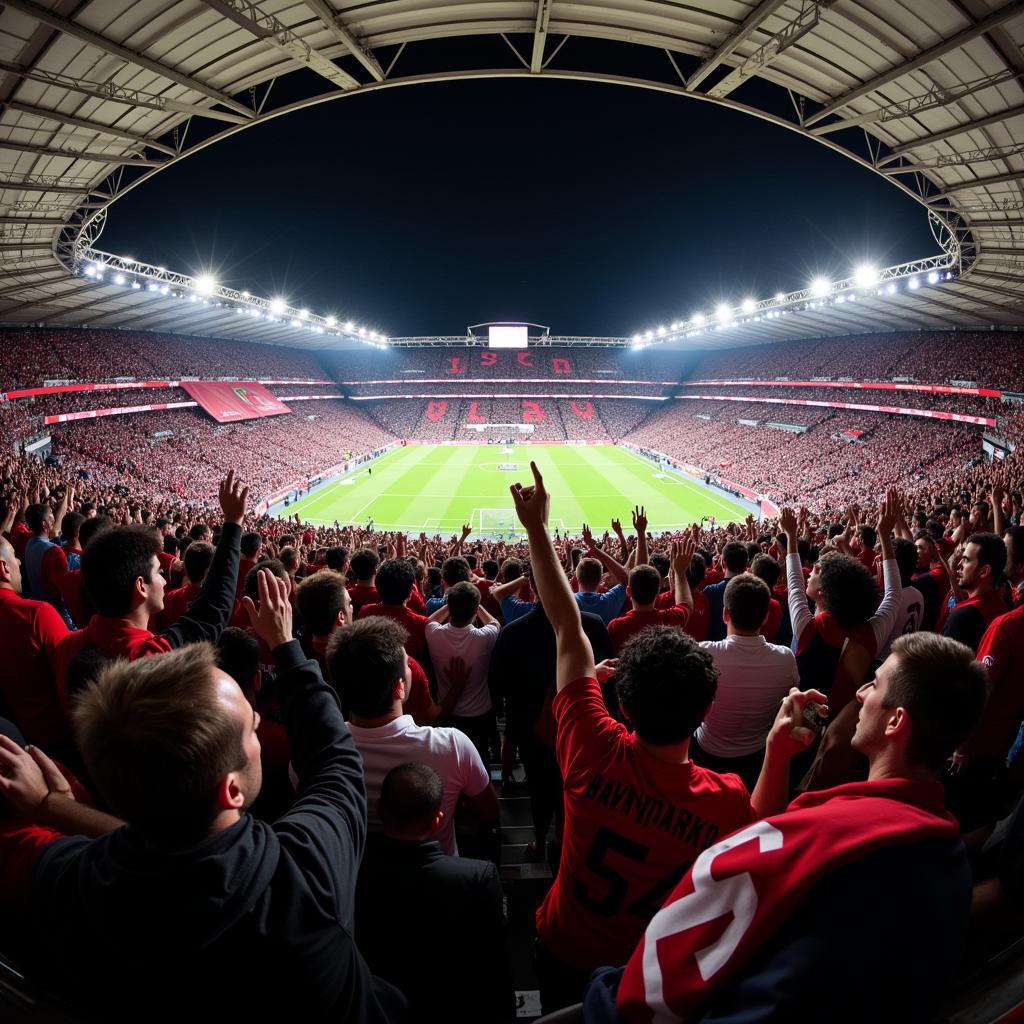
(681, 552)
(588, 537)
(889, 512)
(233, 496)
(639, 519)
(466, 530)
(788, 524)
(791, 733)
(532, 502)
(617, 527)
(272, 621)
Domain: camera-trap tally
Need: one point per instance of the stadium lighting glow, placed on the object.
(891, 289)
(661, 332)
(675, 325)
(698, 319)
(636, 339)
(865, 275)
(723, 312)
(330, 321)
(349, 326)
(245, 295)
(933, 278)
(362, 332)
(136, 285)
(303, 314)
(119, 279)
(205, 284)
(840, 298)
(278, 306)
(780, 296)
(749, 305)
(296, 323)
(153, 287)
(820, 287)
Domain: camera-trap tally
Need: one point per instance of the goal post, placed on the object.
(495, 522)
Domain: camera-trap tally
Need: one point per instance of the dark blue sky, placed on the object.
(589, 208)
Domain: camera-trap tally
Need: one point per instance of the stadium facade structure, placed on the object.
(98, 97)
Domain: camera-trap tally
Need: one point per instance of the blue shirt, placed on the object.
(513, 608)
(433, 603)
(606, 606)
(715, 593)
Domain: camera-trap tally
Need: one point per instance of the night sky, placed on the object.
(591, 209)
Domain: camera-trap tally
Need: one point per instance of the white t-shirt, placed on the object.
(908, 619)
(754, 676)
(448, 751)
(473, 646)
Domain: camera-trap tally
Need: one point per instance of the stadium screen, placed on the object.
(506, 336)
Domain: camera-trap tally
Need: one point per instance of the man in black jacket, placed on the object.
(194, 904)
(415, 903)
(522, 676)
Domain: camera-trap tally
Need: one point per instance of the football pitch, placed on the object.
(437, 488)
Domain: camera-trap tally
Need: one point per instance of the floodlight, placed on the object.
(205, 284)
(891, 289)
(675, 325)
(780, 296)
(723, 312)
(362, 332)
(136, 285)
(820, 287)
(749, 305)
(296, 323)
(933, 278)
(636, 339)
(278, 306)
(865, 275)
(840, 298)
(349, 326)
(661, 332)
(303, 314)
(245, 295)
(698, 319)
(330, 321)
(649, 335)
(119, 279)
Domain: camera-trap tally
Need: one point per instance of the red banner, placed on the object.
(228, 402)
(121, 410)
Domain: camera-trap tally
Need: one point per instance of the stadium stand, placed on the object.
(868, 492)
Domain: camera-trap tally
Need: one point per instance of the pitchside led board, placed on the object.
(229, 401)
(506, 336)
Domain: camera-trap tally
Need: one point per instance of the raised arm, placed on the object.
(885, 617)
(211, 610)
(799, 614)
(640, 525)
(682, 555)
(575, 658)
(623, 545)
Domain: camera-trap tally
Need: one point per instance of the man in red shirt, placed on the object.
(638, 812)
(121, 575)
(30, 632)
(979, 578)
(700, 617)
(364, 591)
(644, 584)
(250, 549)
(395, 581)
(198, 559)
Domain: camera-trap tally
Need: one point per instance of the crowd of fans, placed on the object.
(235, 746)
(74, 354)
(991, 359)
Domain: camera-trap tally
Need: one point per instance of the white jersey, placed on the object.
(908, 618)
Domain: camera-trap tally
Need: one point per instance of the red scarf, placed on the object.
(740, 891)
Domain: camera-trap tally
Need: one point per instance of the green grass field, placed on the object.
(438, 488)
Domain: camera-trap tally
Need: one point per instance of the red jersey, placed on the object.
(415, 625)
(20, 536)
(697, 627)
(633, 827)
(1000, 652)
(622, 628)
(419, 702)
(166, 561)
(71, 595)
(176, 603)
(115, 638)
(770, 627)
(416, 603)
(360, 594)
(30, 633)
(245, 566)
(484, 586)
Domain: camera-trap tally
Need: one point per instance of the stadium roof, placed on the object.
(99, 95)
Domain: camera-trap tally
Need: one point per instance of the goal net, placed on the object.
(495, 522)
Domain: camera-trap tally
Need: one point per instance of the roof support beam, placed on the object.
(343, 35)
(36, 282)
(994, 20)
(1015, 298)
(951, 133)
(42, 221)
(71, 28)
(72, 154)
(932, 301)
(267, 28)
(742, 33)
(540, 34)
(93, 126)
(995, 179)
(43, 186)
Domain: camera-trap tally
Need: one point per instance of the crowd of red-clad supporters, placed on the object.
(232, 743)
(240, 747)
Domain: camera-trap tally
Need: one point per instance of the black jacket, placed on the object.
(257, 919)
(434, 926)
